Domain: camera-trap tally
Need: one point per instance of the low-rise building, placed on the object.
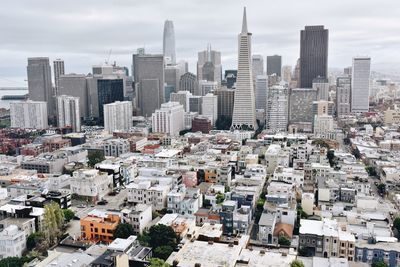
(90, 183)
(99, 226)
(12, 242)
(139, 217)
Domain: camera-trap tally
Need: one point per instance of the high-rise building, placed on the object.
(343, 96)
(274, 65)
(76, 85)
(244, 112)
(188, 82)
(206, 87)
(287, 73)
(300, 108)
(169, 43)
(230, 78)
(323, 107)
(313, 54)
(209, 107)
(257, 65)
(277, 108)
(195, 103)
(68, 113)
(360, 84)
(58, 67)
(295, 82)
(226, 98)
(209, 66)
(182, 97)
(118, 116)
(169, 118)
(261, 91)
(148, 73)
(322, 86)
(39, 82)
(172, 76)
(28, 114)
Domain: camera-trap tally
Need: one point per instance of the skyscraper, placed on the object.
(28, 114)
(274, 65)
(277, 109)
(68, 114)
(313, 54)
(169, 119)
(118, 116)
(210, 107)
(182, 97)
(301, 107)
(257, 65)
(322, 87)
(244, 112)
(209, 65)
(343, 96)
(261, 91)
(58, 67)
(76, 85)
(360, 84)
(172, 76)
(226, 98)
(169, 43)
(148, 73)
(188, 82)
(39, 82)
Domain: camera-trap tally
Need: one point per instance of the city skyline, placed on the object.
(351, 33)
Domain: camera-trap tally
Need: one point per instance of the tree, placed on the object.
(379, 264)
(220, 198)
(123, 230)
(284, 241)
(14, 261)
(331, 156)
(297, 263)
(162, 235)
(381, 188)
(53, 219)
(163, 252)
(396, 224)
(155, 262)
(371, 170)
(34, 239)
(68, 214)
(321, 143)
(95, 157)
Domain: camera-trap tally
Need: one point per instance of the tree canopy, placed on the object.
(95, 157)
(124, 230)
(155, 262)
(68, 214)
(379, 264)
(297, 263)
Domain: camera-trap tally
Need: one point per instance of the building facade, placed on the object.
(68, 112)
(169, 118)
(360, 79)
(118, 116)
(29, 114)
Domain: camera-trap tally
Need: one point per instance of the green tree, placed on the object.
(396, 224)
(321, 143)
(297, 263)
(95, 157)
(155, 262)
(68, 214)
(53, 219)
(163, 252)
(379, 264)
(381, 188)
(371, 170)
(123, 230)
(284, 241)
(34, 240)
(162, 235)
(220, 198)
(14, 261)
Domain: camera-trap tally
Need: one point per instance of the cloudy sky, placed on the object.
(82, 32)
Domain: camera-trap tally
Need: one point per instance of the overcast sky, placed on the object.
(82, 32)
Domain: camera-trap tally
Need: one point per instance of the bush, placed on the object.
(284, 241)
(68, 214)
(123, 230)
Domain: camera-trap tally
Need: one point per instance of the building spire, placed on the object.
(244, 22)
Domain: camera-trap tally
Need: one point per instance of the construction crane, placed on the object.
(108, 58)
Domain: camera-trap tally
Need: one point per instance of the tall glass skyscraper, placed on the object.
(313, 54)
(169, 43)
(244, 111)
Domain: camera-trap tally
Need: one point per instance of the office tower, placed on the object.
(257, 64)
(313, 54)
(295, 82)
(68, 113)
(230, 78)
(323, 107)
(277, 107)
(287, 73)
(226, 98)
(169, 43)
(360, 84)
(261, 91)
(182, 97)
(343, 96)
(76, 85)
(28, 114)
(322, 86)
(169, 119)
(347, 71)
(118, 116)
(274, 65)
(206, 87)
(188, 82)
(168, 90)
(39, 82)
(209, 107)
(183, 66)
(209, 66)
(195, 103)
(188, 118)
(148, 73)
(58, 67)
(172, 76)
(244, 111)
(324, 127)
(300, 108)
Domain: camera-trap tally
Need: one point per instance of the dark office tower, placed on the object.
(274, 65)
(313, 54)
(148, 75)
(226, 98)
(230, 78)
(109, 91)
(39, 83)
(188, 82)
